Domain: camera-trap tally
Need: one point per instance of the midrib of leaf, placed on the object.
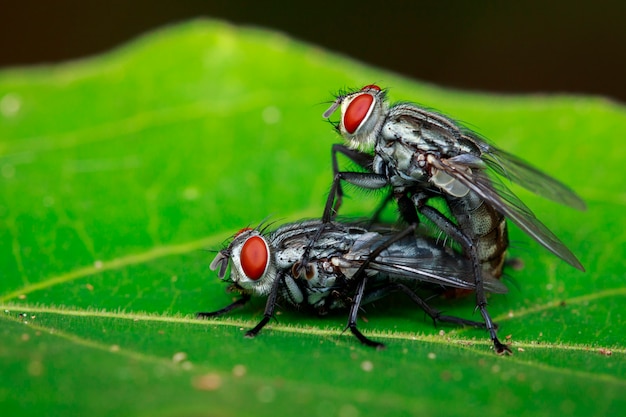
(295, 329)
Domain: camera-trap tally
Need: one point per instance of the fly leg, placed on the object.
(360, 290)
(269, 307)
(361, 159)
(434, 314)
(469, 249)
(335, 195)
(354, 311)
(239, 303)
(407, 209)
(367, 180)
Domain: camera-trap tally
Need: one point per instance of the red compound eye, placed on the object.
(254, 257)
(356, 112)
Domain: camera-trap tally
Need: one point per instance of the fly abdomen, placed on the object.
(486, 227)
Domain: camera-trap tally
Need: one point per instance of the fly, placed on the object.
(348, 266)
(422, 154)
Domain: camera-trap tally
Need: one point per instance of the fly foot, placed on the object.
(500, 348)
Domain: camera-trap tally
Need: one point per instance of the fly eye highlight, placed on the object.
(357, 111)
(254, 257)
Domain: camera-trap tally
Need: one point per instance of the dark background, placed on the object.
(531, 46)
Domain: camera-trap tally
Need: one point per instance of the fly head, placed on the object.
(251, 261)
(362, 116)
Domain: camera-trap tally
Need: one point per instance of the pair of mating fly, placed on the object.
(422, 156)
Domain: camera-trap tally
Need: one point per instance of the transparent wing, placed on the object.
(529, 177)
(419, 259)
(436, 274)
(507, 203)
(464, 141)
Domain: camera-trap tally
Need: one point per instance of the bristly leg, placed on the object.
(335, 195)
(270, 305)
(435, 314)
(469, 249)
(354, 310)
(362, 276)
(236, 304)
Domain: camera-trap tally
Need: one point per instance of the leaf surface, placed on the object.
(121, 172)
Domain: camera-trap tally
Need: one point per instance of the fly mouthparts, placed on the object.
(332, 108)
(221, 262)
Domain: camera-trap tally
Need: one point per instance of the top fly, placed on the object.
(422, 154)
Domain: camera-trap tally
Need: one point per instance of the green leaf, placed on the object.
(119, 172)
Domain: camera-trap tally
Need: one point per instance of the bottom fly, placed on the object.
(348, 266)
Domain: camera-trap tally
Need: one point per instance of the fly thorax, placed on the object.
(285, 258)
(387, 152)
(402, 155)
(348, 267)
(320, 288)
(330, 281)
(345, 266)
(394, 162)
(418, 170)
(291, 292)
(412, 133)
(472, 204)
(306, 272)
(398, 133)
(380, 165)
(318, 301)
(325, 279)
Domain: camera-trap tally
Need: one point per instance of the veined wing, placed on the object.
(418, 259)
(507, 203)
(436, 273)
(459, 140)
(531, 178)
